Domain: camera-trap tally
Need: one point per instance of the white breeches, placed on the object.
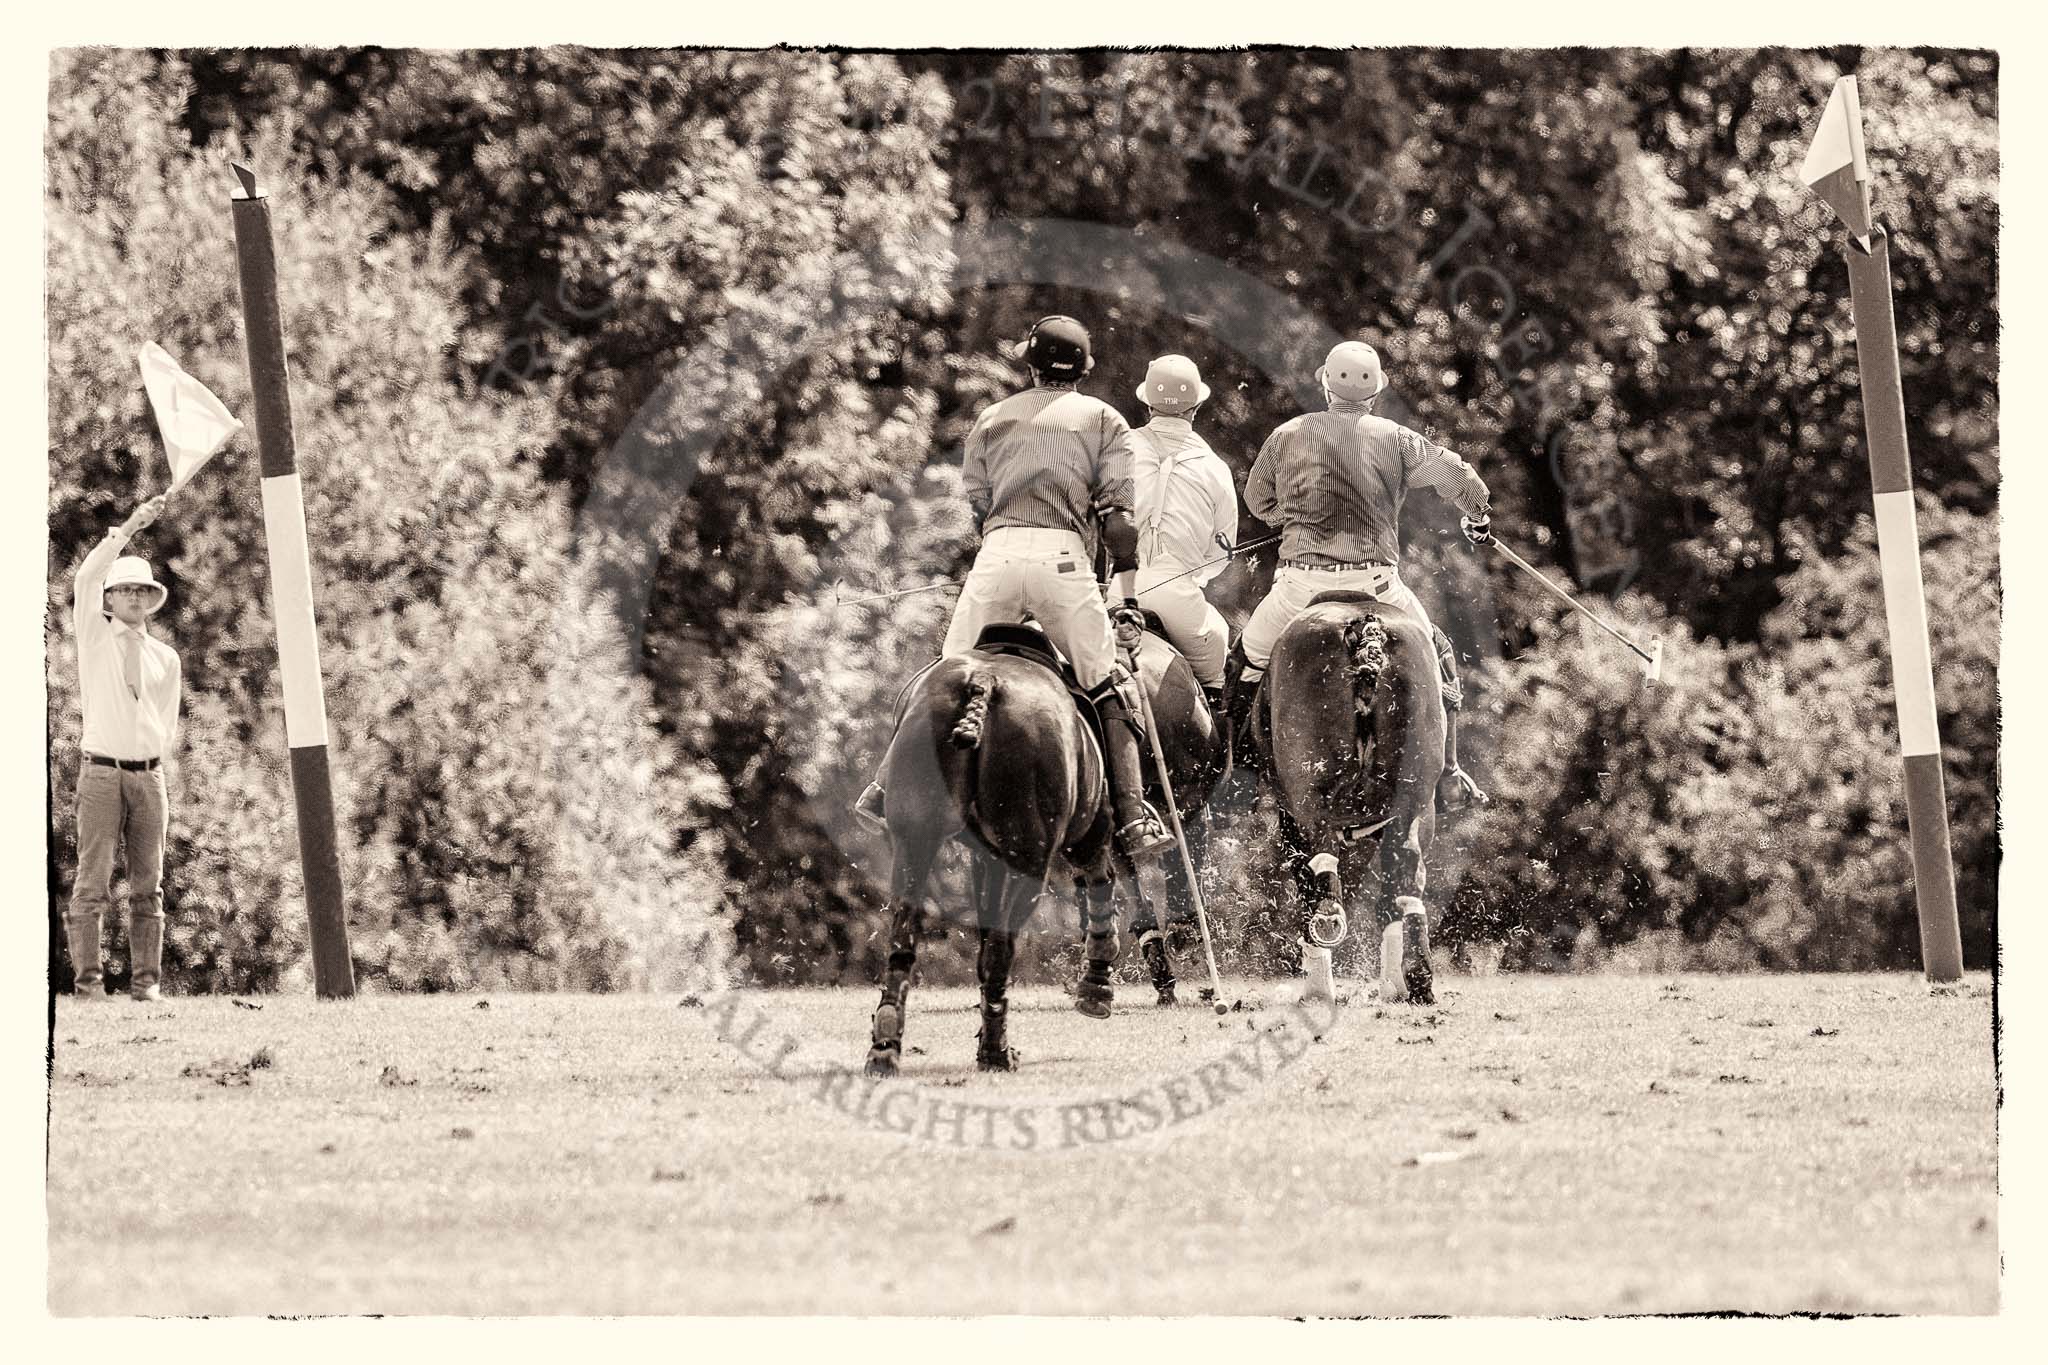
(1196, 628)
(1046, 573)
(1292, 590)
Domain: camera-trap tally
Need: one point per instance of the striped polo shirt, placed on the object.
(1334, 483)
(1047, 458)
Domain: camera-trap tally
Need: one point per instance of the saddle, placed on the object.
(1017, 640)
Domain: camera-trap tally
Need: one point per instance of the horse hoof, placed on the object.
(880, 1063)
(1093, 1001)
(1166, 996)
(1006, 1060)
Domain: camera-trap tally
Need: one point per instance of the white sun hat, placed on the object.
(133, 571)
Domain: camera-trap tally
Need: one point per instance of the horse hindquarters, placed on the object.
(1337, 792)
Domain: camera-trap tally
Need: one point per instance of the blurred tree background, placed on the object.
(616, 371)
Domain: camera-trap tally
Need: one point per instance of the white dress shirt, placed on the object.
(120, 723)
(1184, 496)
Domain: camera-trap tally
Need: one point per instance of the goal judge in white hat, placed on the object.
(128, 691)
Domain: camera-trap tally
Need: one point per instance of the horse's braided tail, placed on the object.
(1367, 642)
(974, 711)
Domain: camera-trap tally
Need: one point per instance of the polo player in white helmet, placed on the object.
(1334, 482)
(1185, 498)
(1039, 466)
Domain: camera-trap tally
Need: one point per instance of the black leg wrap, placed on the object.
(1415, 971)
(1160, 962)
(992, 1051)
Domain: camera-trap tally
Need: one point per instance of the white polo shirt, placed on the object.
(120, 723)
(1184, 497)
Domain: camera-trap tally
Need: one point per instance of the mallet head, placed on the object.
(1654, 669)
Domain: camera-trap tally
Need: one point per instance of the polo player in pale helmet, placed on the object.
(1334, 482)
(1185, 499)
(1039, 466)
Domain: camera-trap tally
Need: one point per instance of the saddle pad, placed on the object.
(1025, 642)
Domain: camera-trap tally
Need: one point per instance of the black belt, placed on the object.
(126, 765)
(1335, 568)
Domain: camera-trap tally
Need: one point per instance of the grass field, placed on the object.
(1551, 1145)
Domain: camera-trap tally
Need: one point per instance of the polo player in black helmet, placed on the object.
(1039, 465)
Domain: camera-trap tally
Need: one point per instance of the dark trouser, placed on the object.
(115, 807)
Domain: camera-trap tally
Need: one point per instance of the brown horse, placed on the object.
(1350, 726)
(990, 748)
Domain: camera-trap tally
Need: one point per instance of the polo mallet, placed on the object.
(1180, 839)
(1653, 657)
(900, 592)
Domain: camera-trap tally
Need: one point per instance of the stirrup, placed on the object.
(1144, 837)
(1456, 791)
(869, 808)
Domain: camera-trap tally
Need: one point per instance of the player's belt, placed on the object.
(1336, 568)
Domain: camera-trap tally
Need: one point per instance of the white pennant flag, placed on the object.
(1835, 167)
(195, 424)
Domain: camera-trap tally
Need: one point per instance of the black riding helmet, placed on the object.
(1058, 349)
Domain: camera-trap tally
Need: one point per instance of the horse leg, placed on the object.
(1405, 972)
(1180, 897)
(1152, 944)
(906, 915)
(1098, 890)
(1319, 894)
(999, 927)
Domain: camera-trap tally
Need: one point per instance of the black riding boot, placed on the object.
(1455, 790)
(1140, 832)
(1237, 704)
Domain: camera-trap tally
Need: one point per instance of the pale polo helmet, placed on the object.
(1352, 370)
(133, 571)
(1172, 385)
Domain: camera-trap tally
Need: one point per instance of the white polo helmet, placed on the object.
(133, 571)
(1352, 370)
(1172, 385)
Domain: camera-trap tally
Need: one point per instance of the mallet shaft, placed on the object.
(1180, 839)
(1569, 600)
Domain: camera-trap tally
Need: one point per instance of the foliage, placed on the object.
(481, 816)
(1749, 811)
